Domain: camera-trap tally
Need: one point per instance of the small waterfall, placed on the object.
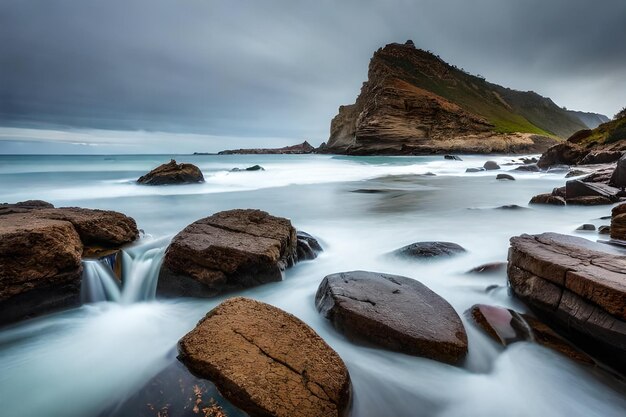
(140, 273)
(99, 283)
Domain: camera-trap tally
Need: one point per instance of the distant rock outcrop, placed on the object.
(415, 103)
(172, 173)
(301, 148)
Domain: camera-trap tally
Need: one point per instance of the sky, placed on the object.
(177, 76)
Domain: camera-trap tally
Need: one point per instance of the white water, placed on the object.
(79, 362)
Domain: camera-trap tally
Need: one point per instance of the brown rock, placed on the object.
(591, 200)
(40, 266)
(420, 250)
(564, 153)
(23, 206)
(395, 312)
(228, 250)
(172, 173)
(580, 136)
(618, 222)
(547, 199)
(575, 189)
(490, 268)
(600, 157)
(301, 148)
(575, 284)
(267, 362)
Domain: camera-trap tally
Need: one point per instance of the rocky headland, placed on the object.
(301, 148)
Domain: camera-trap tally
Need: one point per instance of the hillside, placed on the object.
(415, 103)
(592, 120)
(608, 136)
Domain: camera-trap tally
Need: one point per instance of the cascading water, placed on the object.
(140, 273)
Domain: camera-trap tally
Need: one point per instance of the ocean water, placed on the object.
(83, 361)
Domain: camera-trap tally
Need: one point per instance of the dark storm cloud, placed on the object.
(281, 68)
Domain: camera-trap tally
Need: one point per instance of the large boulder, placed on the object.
(491, 165)
(564, 153)
(228, 250)
(172, 173)
(267, 362)
(600, 157)
(602, 193)
(394, 312)
(547, 198)
(576, 285)
(40, 254)
(429, 250)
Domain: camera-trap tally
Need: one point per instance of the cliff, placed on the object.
(415, 103)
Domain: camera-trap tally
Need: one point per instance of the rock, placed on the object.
(490, 268)
(40, 254)
(301, 148)
(429, 250)
(575, 173)
(23, 206)
(40, 266)
(511, 207)
(452, 157)
(474, 169)
(618, 222)
(307, 246)
(580, 136)
(587, 227)
(577, 188)
(491, 165)
(175, 392)
(528, 168)
(592, 200)
(600, 157)
(506, 326)
(618, 177)
(601, 174)
(564, 153)
(267, 362)
(172, 173)
(547, 199)
(559, 192)
(252, 168)
(574, 284)
(394, 312)
(229, 250)
(558, 169)
(505, 177)
(604, 230)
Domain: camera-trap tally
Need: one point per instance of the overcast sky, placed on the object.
(234, 73)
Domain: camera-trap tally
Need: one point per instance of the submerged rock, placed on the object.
(267, 362)
(575, 285)
(604, 230)
(491, 165)
(429, 250)
(229, 250)
(587, 227)
(474, 170)
(547, 199)
(528, 168)
(490, 268)
(505, 177)
(252, 168)
(172, 173)
(307, 246)
(507, 326)
(394, 312)
(452, 157)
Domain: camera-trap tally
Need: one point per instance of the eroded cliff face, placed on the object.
(415, 103)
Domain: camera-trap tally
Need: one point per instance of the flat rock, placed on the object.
(490, 268)
(394, 312)
(576, 284)
(429, 250)
(267, 362)
(578, 188)
(172, 173)
(229, 250)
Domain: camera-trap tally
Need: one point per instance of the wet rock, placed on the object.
(575, 173)
(563, 153)
(23, 206)
(490, 268)
(602, 174)
(528, 168)
(505, 177)
(574, 284)
(511, 207)
(307, 246)
(618, 177)
(529, 161)
(589, 201)
(558, 169)
(618, 222)
(175, 392)
(229, 250)
(172, 173)
(452, 157)
(40, 255)
(491, 165)
(507, 326)
(587, 227)
(252, 168)
(40, 266)
(267, 362)
(574, 189)
(394, 312)
(559, 192)
(429, 250)
(547, 199)
(474, 169)
(600, 157)
(604, 230)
